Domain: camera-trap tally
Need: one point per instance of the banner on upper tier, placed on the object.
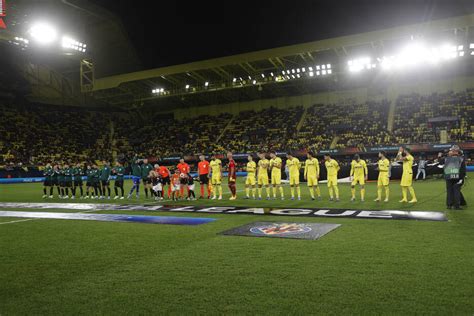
(169, 220)
(292, 212)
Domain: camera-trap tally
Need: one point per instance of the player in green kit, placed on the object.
(136, 176)
(146, 168)
(119, 172)
(95, 174)
(55, 178)
(105, 180)
(67, 180)
(48, 181)
(77, 181)
(61, 181)
(88, 173)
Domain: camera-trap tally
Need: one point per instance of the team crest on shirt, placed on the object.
(275, 229)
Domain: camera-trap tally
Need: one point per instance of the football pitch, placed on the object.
(366, 266)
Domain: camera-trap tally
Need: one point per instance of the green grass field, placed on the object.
(364, 267)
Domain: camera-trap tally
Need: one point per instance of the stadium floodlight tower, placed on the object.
(43, 33)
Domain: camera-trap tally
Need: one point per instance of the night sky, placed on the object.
(174, 32)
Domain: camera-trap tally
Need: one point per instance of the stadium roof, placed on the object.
(259, 74)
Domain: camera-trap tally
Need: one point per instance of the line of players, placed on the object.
(68, 180)
(155, 178)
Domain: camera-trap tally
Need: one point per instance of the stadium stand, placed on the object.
(453, 111)
(354, 124)
(35, 134)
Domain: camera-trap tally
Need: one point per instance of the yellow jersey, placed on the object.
(384, 165)
(408, 164)
(311, 167)
(359, 168)
(332, 167)
(216, 166)
(251, 167)
(293, 166)
(263, 166)
(275, 164)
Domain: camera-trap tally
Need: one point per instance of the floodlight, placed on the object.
(310, 68)
(254, 81)
(318, 73)
(292, 71)
(162, 90)
(329, 71)
(328, 66)
(297, 70)
(234, 80)
(187, 86)
(271, 74)
(359, 64)
(263, 76)
(324, 72)
(298, 75)
(303, 69)
(311, 73)
(471, 46)
(206, 83)
(43, 33)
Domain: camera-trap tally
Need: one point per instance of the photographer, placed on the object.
(454, 171)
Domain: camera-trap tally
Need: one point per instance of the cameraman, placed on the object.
(454, 171)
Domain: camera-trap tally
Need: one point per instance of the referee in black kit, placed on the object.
(454, 170)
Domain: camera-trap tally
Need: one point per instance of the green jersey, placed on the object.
(55, 175)
(94, 175)
(136, 170)
(61, 175)
(48, 173)
(146, 168)
(68, 174)
(105, 173)
(77, 174)
(119, 172)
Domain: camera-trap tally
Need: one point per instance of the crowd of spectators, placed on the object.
(419, 118)
(34, 134)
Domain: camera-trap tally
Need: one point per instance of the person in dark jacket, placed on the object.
(454, 170)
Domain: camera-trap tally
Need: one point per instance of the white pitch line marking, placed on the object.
(20, 220)
(35, 219)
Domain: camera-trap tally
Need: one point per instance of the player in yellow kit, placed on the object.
(294, 166)
(384, 177)
(251, 180)
(407, 176)
(275, 167)
(216, 178)
(262, 175)
(311, 174)
(359, 175)
(332, 168)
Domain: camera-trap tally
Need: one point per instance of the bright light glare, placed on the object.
(356, 65)
(43, 33)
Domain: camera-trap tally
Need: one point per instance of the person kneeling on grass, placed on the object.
(190, 184)
(157, 187)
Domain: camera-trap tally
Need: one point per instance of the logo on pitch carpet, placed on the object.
(281, 229)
